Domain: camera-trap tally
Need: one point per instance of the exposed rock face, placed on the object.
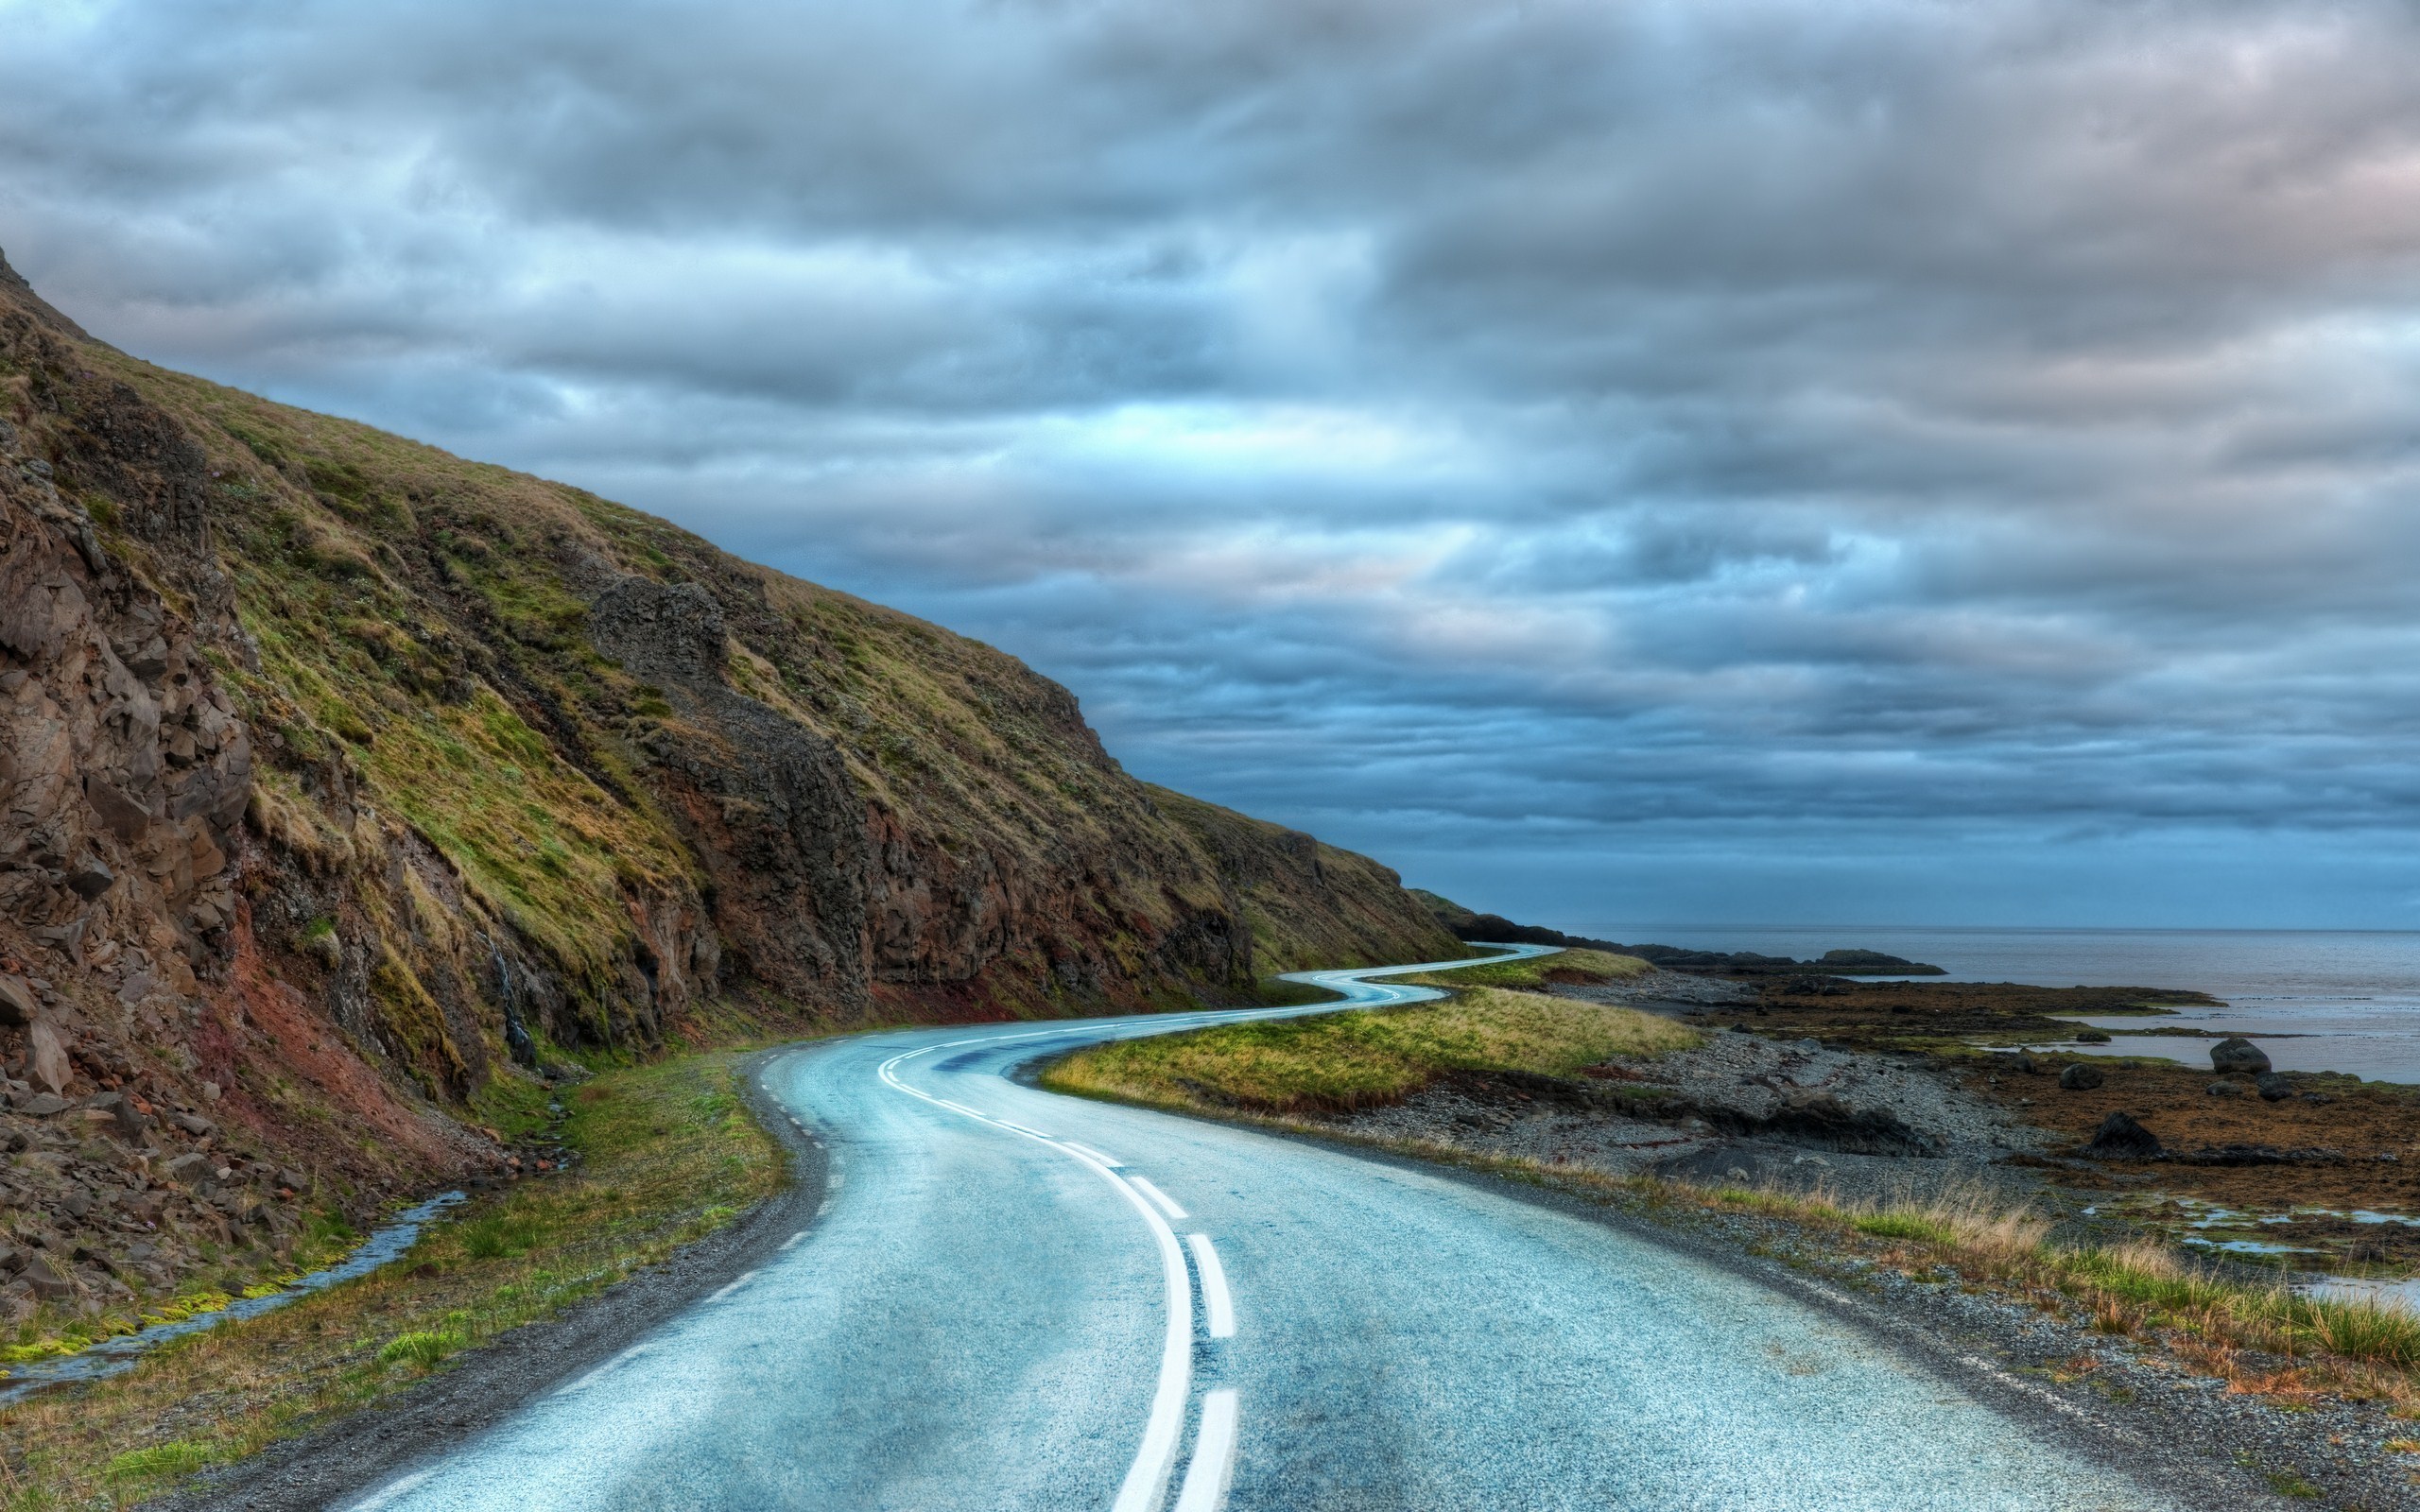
(339, 778)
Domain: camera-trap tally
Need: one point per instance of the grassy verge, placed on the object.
(1339, 1061)
(1533, 972)
(2259, 1337)
(669, 1155)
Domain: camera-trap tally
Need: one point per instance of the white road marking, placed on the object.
(838, 1181)
(801, 1233)
(1216, 1305)
(1167, 1204)
(631, 1353)
(733, 1287)
(1214, 1454)
(1146, 1480)
(1086, 1149)
(394, 1489)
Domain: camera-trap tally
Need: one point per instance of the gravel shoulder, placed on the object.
(358, 1452)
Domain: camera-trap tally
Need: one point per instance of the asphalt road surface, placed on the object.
(1013, 1300)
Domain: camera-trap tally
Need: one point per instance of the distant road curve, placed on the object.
(1012, 1300)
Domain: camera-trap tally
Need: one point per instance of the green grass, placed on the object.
(669, 1155)
(1535, 971)
(1336, 1062)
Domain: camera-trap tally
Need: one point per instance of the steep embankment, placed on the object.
(338, 775)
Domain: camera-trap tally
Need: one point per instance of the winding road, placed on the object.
(1013, 1300)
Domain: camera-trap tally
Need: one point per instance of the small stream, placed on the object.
(111, 1356)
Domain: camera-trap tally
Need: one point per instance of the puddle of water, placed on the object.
(2404, 1294)
(111, 1356)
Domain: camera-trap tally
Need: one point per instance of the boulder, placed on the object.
(18, 1004)
(2239, 1056)
(48, 1060)
(88, 878)
(2079, 1077)
(2120, 1137)
(47, 1278)
(2092, 1037)
(2273, 1087)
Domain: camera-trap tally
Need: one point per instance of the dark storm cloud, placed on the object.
(1944, 440)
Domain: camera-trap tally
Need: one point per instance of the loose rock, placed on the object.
(2120, 1137)
(2273, 1087)
(2240, 1057)
(2079, 1077)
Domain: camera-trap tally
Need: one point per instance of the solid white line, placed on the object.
(1115, 1165)
(1214, 1454)
(372, 1502)
(1216, 1305)
(1167, 1204)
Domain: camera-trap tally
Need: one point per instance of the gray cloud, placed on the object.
(1969, 448)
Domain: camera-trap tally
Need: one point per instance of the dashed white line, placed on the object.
(631, 1353)
(1214, 1454)
(1164, 1202)
(733, 1287)
(793, 1239)
(1217, 1306)
(372, 1502)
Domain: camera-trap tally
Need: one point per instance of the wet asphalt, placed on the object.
(1013, 1300)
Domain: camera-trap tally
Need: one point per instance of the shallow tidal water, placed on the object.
(2315, 1000)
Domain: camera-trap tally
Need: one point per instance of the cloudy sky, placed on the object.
(1624, 463)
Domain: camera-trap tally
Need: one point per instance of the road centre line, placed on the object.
(1146, 1480)
(1214, 1454)
(1167, 1203)
(1217, 1306)
(1115, 1165)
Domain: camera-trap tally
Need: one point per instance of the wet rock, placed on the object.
(2273, 1087)
(2079, 1077)
(2120, 1137)
(2240, 1057)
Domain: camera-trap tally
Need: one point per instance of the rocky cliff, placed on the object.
(344, 783)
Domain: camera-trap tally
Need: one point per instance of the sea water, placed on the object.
(2314, 1000)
